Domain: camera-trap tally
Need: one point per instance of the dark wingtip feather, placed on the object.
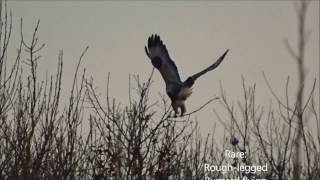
(149, 41)
(147, 52)
(224, 54)
(221, 58)
(154, 40)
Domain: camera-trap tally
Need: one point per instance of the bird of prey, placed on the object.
(177, 90)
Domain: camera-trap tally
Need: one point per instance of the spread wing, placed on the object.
(210, 68)
(161, 60)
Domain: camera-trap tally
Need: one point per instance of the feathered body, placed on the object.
(177, 90)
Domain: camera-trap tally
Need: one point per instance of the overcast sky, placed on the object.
(195, 33)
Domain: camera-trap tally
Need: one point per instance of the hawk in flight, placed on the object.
(177, 90)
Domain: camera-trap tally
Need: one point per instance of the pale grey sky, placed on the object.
(195, 33)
